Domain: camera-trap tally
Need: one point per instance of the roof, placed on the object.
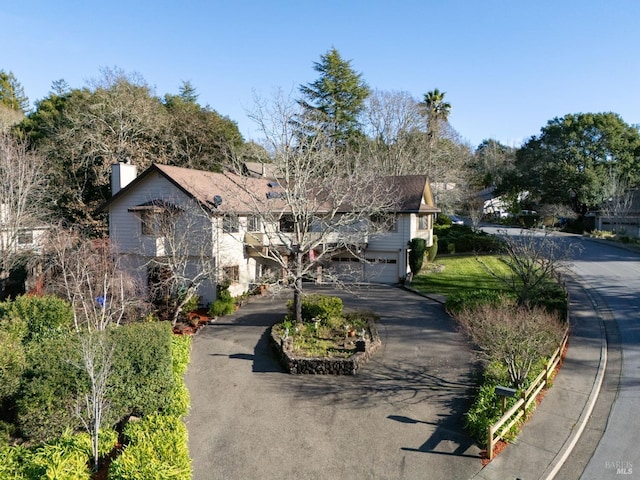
(413, 191)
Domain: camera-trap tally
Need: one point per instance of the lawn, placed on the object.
(461, 273)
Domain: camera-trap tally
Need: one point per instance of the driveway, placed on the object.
(399, 418)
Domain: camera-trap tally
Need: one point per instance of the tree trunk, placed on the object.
(297, 291)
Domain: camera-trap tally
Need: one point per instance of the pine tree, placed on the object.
(11, 93)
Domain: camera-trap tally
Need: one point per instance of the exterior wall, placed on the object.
(629, 226)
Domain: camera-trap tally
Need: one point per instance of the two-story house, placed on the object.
(225, 230)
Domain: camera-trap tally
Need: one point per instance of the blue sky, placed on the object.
(507, 67)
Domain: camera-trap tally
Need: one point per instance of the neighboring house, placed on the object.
(17, 244)
(621, 215)
(233, 235)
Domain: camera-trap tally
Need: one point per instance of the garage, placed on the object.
(381, 267)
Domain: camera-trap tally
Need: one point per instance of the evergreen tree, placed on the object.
(334, 101)
(11, 93)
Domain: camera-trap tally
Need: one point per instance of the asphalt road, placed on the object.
(612, 275)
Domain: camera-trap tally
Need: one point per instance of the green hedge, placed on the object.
(142, 378)
(44, 317)
(179, 399)
(157, 447)
(51, 382)
(463, 239)
(141, 382)
(66, 457)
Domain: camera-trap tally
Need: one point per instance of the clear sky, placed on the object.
(507, 67)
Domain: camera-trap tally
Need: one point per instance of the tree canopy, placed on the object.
(575, 159)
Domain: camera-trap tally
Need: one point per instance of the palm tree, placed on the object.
(436, 111)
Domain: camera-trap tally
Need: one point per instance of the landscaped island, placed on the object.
(327, 341)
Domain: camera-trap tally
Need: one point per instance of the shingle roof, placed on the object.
(413, 191)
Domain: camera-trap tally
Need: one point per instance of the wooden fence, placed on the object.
(519, 409)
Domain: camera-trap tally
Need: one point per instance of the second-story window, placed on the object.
(424, 222)
(253, 223)
(25, 237)
(230, 224)
(287, 224)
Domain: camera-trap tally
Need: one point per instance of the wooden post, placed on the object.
(490, 443)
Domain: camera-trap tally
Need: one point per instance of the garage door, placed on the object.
(381, 267)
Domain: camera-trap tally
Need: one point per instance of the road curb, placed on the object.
(554, 467)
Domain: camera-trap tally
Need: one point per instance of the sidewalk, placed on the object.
(548, 438)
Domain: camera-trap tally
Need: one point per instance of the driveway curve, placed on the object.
(399, 418)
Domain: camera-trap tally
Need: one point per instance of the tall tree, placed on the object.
(11, 93)
(21, 199)
(574, 158)
(436, 111)
(332, 103)
(492, 160)
(117, 118)
(320, 209)
(198, 137)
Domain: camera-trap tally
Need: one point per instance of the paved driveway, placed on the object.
(399, 418)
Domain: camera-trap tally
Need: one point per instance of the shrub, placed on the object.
(518, 338)
(418, 247)
(432, 252)
(141, 379)
(12, 362)
(156, 448)
(65, 457)
(179, 399)
(473, 299)
(319, 307)
(45, 316)
(224, 303)
(45, 402)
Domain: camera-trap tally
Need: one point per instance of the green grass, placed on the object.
(460, 274)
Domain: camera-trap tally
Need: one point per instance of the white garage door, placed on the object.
(381, 267)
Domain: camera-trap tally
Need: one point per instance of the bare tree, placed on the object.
(618, 204)
(21, 200)
(533, 260)
(97, 355)
(393, 126)
(320, 204)
(185, 259)
(87, 274)
(517, 338)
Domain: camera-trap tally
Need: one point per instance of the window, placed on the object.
(230, 224)
(25, 237)
(232, 273)
(149, 223)
(287, 224)
(424, 222)
(384, 222)
(253, 223)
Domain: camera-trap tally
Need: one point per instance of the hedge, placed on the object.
(142, 379)
(156, 447)
(44, 316)
(141, 382)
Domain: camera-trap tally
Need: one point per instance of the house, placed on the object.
(220, 225)
(621, 215)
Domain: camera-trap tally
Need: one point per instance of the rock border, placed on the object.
(327, 365)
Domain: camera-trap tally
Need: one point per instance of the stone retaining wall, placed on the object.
(327, 365)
